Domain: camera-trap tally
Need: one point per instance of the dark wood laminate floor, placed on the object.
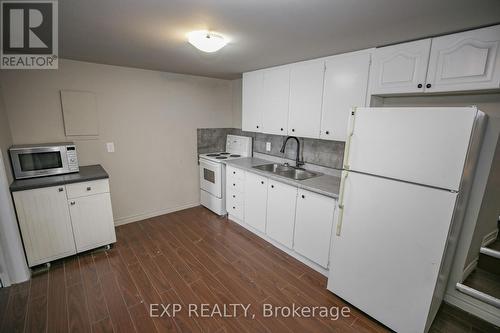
(185, 257)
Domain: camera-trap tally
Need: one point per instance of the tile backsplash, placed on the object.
(314, 151)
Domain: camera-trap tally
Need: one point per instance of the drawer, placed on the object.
(234, 184)
(87, 188)
(232, 172)
(235, 207)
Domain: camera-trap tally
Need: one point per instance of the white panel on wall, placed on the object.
(80, 112)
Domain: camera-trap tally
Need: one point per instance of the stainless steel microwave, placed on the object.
(38, 160)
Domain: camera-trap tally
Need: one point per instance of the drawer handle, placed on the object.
(293, 129)
(234, 196)
(60, 189)
(234, 184)
(72, 203)
(303, 196)
(262, 182)
(428, 85)
(327, 132)
(419, 85)
(89, 188)
(272, 186)
(234, 207)
(234, 172)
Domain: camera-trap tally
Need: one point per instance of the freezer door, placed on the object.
(421, 145)
(388, 254)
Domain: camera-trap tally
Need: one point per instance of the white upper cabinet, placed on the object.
(400, 68)
(252, 101)
(255, 201)
(306, 96)
(346, 84)
(281, 200)
(465, 61)
(275, 98)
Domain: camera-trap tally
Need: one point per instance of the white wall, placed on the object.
(236, 103)
(5, 135)
(150, 116)
(13, 268)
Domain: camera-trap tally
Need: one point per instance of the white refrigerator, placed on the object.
(407, 174)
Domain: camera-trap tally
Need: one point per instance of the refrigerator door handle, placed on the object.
(341, 202)
(349, 136)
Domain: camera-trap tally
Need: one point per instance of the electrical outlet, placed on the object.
(268, 146)
(110, 146)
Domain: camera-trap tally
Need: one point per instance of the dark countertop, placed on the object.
(86, 173)
(325, 184)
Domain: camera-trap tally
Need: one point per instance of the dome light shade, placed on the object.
(206, 41)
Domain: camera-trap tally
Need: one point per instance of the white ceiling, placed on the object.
(151, 33)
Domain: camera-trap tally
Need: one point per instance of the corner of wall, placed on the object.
(236, 87)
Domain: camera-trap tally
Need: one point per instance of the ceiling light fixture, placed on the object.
(206, 41)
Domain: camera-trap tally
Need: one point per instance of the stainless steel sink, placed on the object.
(287, 171)
(274, 167)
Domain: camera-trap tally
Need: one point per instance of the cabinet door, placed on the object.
(252, 88)
(255, 201)
(45, 224)
(400, 68)
(275, 99)
(346, 82)
(306, 96)
(281, 201)
(313, 226)
(465, 61)
(92, 220)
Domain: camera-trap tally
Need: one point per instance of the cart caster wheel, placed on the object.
(107, 247)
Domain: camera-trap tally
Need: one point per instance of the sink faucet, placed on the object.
(298, 163)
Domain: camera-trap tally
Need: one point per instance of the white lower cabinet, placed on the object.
(59, 221)
(281, 200)
(255, 201)
(45, 224)
(313, 226)
(92, 220)
(298, 219)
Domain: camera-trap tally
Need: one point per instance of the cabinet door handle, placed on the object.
(72, 203)
(257, 126)
(281, 129)
(272, 186)
(234, 184)
(60, 189)
(293, 129)
(262, 182)
(234, 172)
(327, 132)
(428, 85)
(89, 188)
(419, 85)
(303, 196)
(234, 196)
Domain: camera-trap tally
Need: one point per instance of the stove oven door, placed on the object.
(211, 177)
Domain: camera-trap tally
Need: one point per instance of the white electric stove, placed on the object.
(213, 172)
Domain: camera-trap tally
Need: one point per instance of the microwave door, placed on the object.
(39, 161)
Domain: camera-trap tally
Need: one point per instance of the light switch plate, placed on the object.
(110, 146)
(268, 146)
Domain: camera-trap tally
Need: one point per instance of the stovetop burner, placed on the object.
(221, 157)
(234, 155)
(225, 153)
(212, 155)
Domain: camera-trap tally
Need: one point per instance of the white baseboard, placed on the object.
(139, 217)
(473, 306)
(489, 238)
(470, 268)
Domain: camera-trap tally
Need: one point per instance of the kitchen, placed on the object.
(148, 131)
